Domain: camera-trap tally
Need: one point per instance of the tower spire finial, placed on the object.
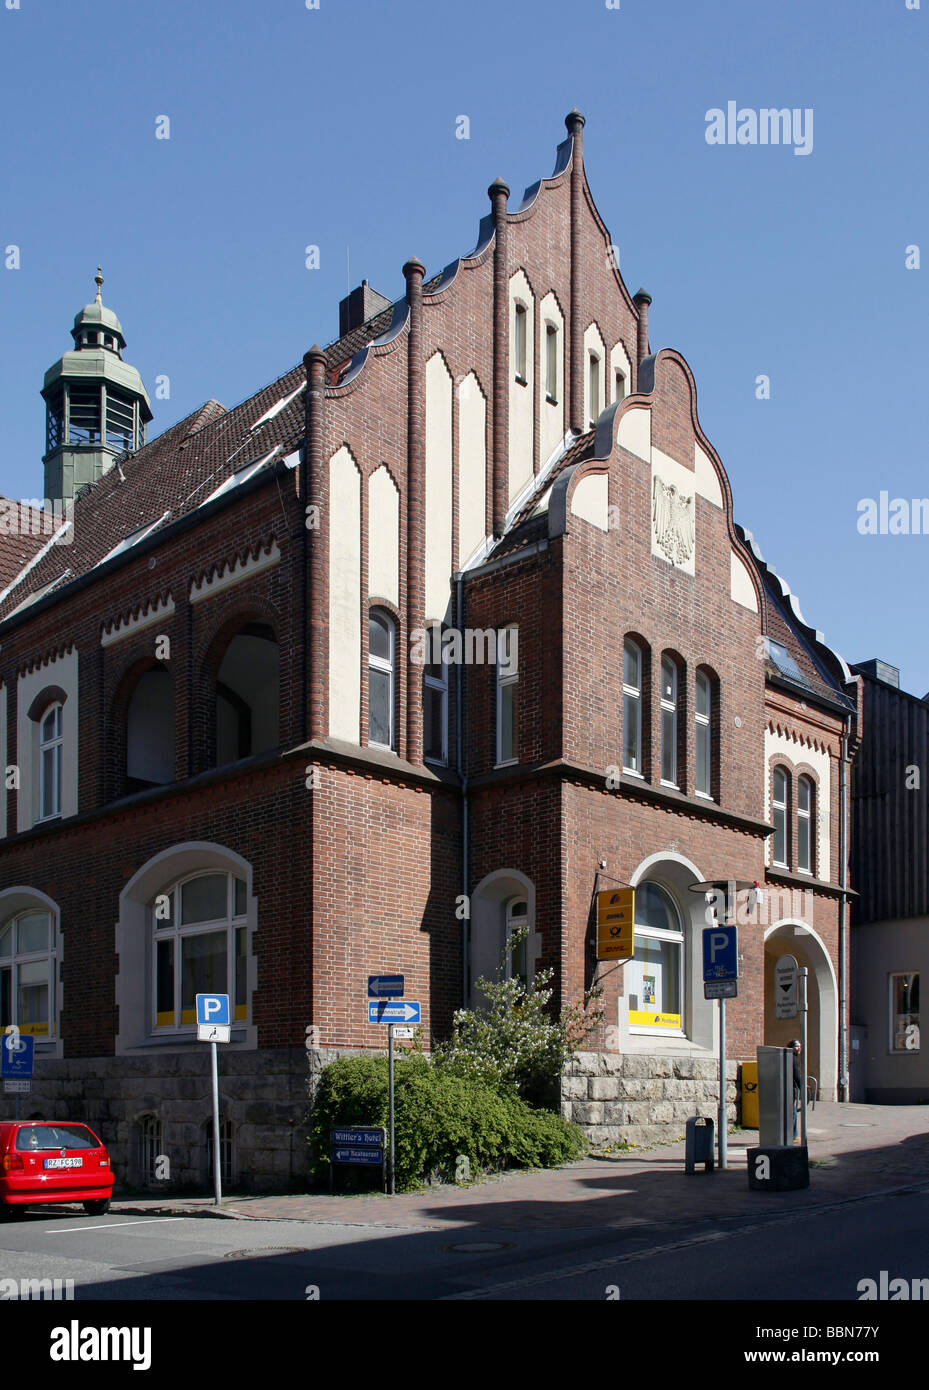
(98, 280)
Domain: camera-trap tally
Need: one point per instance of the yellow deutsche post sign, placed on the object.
(615, 923)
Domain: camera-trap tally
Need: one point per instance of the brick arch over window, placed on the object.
(227, 680)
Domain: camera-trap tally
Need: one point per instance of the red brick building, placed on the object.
(229, 768)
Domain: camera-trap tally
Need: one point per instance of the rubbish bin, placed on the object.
(749, 1095)
(698, 1134)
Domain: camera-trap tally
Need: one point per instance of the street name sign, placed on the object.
(404, 1011)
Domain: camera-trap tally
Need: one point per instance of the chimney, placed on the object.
(359, 306)
(641, 300)
(574, 384)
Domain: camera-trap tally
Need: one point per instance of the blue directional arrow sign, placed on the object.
(720, 953)
(18, 1055)
(385, 986)
(403, 1011)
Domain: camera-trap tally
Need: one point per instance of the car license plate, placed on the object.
(64, 1163)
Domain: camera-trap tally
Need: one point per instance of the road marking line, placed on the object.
(113, 1225)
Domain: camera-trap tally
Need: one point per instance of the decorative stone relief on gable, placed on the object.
(672, 521)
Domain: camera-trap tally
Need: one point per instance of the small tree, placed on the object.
(514, 1044)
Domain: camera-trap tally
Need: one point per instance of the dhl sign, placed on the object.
(615, 924)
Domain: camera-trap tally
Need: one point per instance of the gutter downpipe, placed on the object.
(463, 781)
(843, 914)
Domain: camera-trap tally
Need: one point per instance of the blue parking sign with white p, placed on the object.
(212, 1008)
(17, 1058)
(720, 953)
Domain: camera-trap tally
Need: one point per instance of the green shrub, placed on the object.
(441, 1118)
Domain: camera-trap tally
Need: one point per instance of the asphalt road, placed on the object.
(819, 1254)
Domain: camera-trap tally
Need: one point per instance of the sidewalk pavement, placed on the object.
(855, 1151)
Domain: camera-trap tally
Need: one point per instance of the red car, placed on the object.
(48, 1161)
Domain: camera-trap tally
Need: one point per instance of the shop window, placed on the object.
(904, 1012)
(654, 978)
(28, 973)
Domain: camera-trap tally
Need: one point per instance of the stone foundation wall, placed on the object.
(641, 1099)
(263, 1093)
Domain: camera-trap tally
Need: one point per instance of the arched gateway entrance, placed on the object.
(797, 939)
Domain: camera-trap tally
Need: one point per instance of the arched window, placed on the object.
(654, 978)
(632, 708)
(779, 805)
(150, 729)
(668, 721)
(248, 695)
(50, 749)
(805, 845)
(199, 946)
(517, 954)
(703, 780)
(381, 678)
(619, 386)
(28, 971)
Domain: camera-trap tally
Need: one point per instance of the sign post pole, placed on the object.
(217, 1175)
(390, 1102)
(804, 1004)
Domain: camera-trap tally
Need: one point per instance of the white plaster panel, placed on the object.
(551, 423)
(472, 467)
(61, 671)
(635, 433)
(344, 596)
(741, 588)
(593, 342)
(707, 477)
(590, 500)
(521, 412)
(438, 487)
(383, 536)
(619, 362)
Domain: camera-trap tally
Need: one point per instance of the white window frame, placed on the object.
(160, 931)
(704, 734)
(780, 807)
(633, 692)
(551, 363)
(389, 666)
(53, 746)
(521, 342)
(593, 386)
(805, 816)
(504, 678)
(619, 376)
(669, 706)
(17, 958)
(892, 1032)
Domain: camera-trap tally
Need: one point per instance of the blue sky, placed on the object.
(336, 127)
